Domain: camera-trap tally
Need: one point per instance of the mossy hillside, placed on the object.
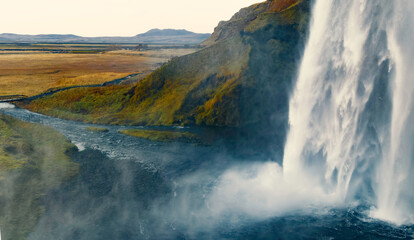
(33, 160)
(93, 105)
(204, 77)
(241, 78)
(163, 97)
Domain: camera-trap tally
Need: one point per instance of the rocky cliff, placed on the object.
(242, 78)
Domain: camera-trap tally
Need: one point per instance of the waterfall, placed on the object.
(395, 176)
(351, 113)
(350, 140)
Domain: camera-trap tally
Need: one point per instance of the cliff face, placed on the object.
(237, 24)
(241, 78)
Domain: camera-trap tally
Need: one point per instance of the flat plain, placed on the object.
(35, 68)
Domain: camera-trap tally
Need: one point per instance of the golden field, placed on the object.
(32, 73)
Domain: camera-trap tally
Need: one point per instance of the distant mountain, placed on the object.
(171, 36)
(165, 32)
(163, 36)
(11, 37)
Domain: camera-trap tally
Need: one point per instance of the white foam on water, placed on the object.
(6, 105)
(81, 146)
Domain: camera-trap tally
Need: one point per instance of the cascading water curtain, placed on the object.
(351, 113)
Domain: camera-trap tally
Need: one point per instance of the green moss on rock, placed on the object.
(162, 135)
(97, 129)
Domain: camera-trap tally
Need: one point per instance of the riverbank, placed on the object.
(33, 160)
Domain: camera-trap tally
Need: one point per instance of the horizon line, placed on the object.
(62, 34)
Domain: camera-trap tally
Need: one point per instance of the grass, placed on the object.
(162, 136)
(93, 105)
(32, 74)
(163, 97)
(33, 160)
(97, 129)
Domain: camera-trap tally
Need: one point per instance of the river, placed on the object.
(131, 188)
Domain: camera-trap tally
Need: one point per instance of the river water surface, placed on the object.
(131, 188)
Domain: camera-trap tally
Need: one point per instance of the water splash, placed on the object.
(262, 191)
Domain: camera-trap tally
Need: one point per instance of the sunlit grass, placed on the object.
(32, 74)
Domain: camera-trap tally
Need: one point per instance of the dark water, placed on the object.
(131, 188)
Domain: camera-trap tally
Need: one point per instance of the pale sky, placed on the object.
(114, 17)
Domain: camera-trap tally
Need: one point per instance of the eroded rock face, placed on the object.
(241, 19)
